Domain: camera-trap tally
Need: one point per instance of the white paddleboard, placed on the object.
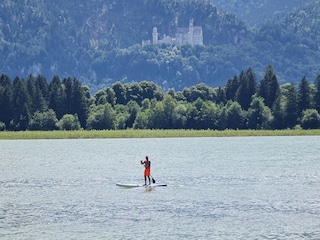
(132, 185)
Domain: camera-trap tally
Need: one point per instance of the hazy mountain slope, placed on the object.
(99, 41)
(257, 12)
(62, 37)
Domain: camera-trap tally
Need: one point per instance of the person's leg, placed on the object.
(148, 174)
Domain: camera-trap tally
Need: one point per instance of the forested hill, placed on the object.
(99, 42)
(75, 37)
(257, 12)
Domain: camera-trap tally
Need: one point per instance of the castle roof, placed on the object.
(185, 30)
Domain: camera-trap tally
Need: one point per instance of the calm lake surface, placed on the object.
(218, 188)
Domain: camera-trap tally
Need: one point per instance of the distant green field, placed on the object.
(151, 134)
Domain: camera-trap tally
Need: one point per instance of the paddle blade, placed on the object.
(153, 181)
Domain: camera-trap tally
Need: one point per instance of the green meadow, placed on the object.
(131, 133)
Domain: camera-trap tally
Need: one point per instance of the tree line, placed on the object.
(243, 103)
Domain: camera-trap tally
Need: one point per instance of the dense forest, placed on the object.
(243, 103)
(99, 42)
(257, 12)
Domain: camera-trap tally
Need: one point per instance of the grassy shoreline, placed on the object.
(131, 133)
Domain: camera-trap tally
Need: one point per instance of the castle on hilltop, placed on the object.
(185, 35)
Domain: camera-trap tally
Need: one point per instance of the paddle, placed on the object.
(153, 181)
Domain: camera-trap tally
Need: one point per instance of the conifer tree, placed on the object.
(68, 89)
(6, 97)
(31, 86)
(21, 105)
(269, 88)
(36, 92)
(246, 89)
(79, 102)
(57, 97)
(304, 99)
(221, 95)
(232, 87)
(291, 107)
(42, 84)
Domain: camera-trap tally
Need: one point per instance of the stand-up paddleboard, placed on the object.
(132, 185)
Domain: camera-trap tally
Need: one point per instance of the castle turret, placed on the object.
(191, 32)
(155, 36)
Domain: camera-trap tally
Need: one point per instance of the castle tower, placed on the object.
(155, 36)
(190, 33)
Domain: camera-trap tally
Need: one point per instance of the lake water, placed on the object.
(218, 188)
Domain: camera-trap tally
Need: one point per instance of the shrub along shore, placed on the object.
(132, 133)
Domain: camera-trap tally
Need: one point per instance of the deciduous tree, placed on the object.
(310, 119)
(259, 115)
